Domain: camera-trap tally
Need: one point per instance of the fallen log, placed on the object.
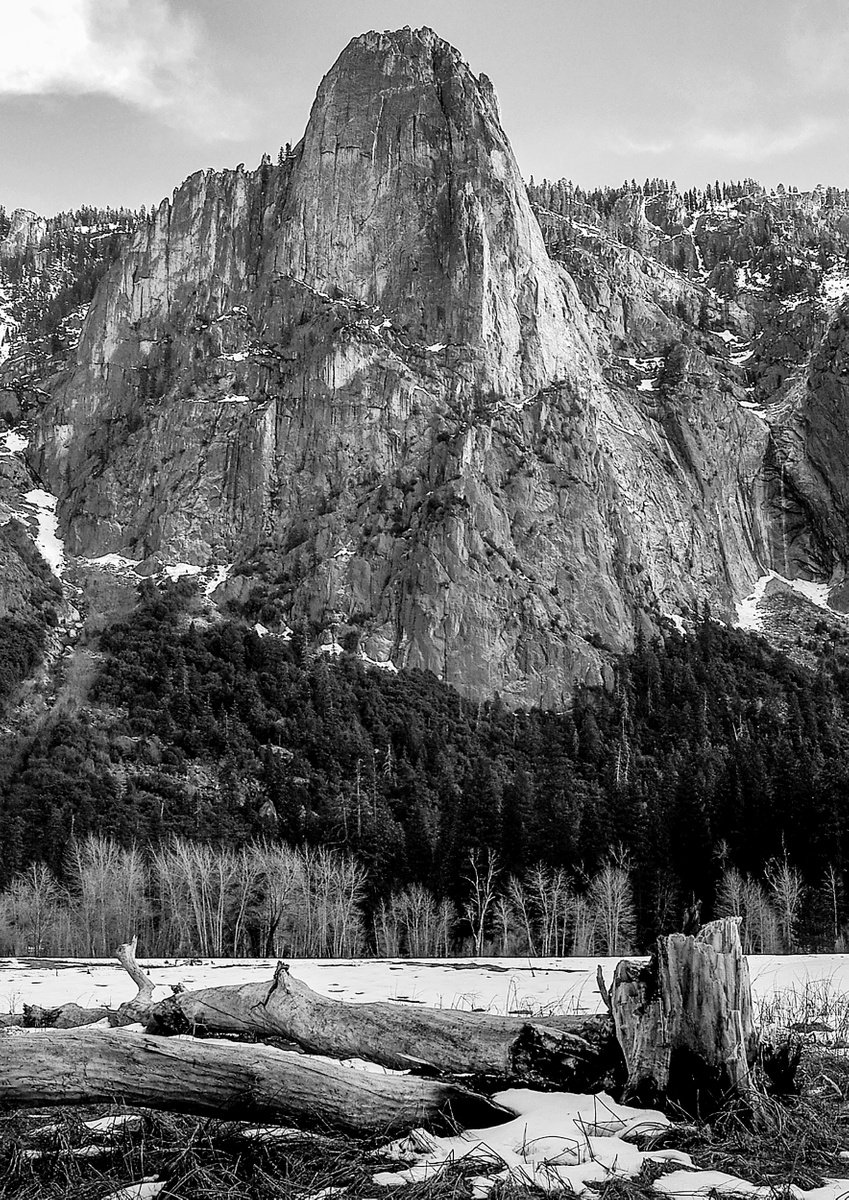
(73, 1016)
(255, 1082)
(576, 1052)
(685, 1021)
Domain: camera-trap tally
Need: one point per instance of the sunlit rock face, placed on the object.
(359, 377)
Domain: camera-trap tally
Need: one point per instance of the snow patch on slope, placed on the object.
(748, 614)
(835, 286)
(112, 562)
(220, 575)
(176, 571)
(11, 441)
(50, 546)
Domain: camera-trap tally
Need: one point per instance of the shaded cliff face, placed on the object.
(359, 383)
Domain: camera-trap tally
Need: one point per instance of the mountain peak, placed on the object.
(407, 195)
(406, 40)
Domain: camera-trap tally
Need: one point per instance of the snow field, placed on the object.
(748, 609)
(522, 986)
(556, 1141)
(50, 546)
(12, 442)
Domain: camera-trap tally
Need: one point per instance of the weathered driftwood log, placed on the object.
(573, 1051)
(578, 1052)
(64, 1016)
(73, 1016)
(85, 1066)
(685, 1020)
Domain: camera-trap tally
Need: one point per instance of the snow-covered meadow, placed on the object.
(534, 987)
(556, 1142)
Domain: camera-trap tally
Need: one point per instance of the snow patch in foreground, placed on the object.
(561, 1142)
(557, 1141)
(50, 546)
(718, 1183)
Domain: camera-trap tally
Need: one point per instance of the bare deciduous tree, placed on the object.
(785, 885)
(612, 901)
(481, 877)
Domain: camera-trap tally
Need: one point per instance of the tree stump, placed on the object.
(685, 1022)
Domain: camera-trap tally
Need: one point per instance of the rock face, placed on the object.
(26, 231)
(359, 380)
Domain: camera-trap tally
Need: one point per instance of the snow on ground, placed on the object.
(178, 570)
(748, 614)
(528, 986)
(835, 286)
(677, 620)
(112, 562)
(557, 1141)
(218, 576)
(648, 370)
(383, 664)
(50, 546)
(12, 442)
(718, 1183)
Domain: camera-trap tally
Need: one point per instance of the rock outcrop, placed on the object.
(359, 381)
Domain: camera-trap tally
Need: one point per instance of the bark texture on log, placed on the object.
(578, 1052)
(85, 1066)
(685, 1021)
(64, 1016)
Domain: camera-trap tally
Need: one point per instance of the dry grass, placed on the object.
(205, 1160)
(795, 1140)
(197, 1158)
(816, 1011)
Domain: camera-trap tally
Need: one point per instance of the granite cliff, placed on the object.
(375, 391)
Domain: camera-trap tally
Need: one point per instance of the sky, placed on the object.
(115, 102)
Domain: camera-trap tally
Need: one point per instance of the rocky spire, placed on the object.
(407, 195)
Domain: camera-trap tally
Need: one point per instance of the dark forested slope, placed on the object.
(710, 751)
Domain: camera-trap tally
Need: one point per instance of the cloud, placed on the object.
(630, 145)
(149, 55)
(755, 142)
(817, 45)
